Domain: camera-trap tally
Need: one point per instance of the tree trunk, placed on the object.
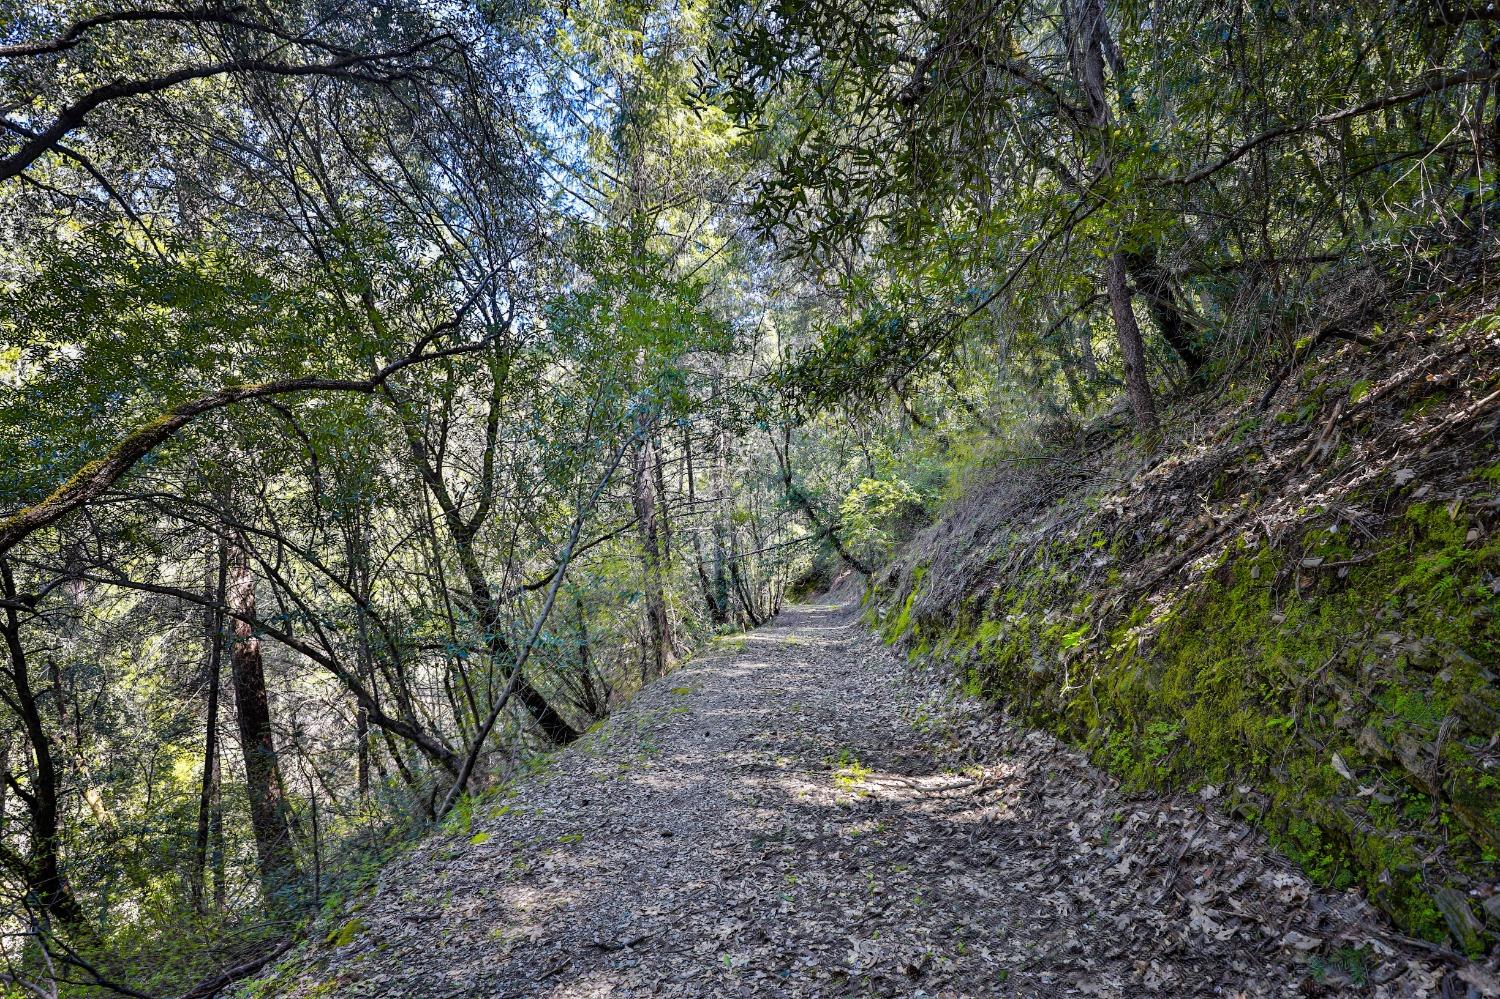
(42, 869)
(553, 725)
(362, 742)
(643, 495)
(1091, 47)
(716, 610)
(208, 796)
(268, 811)
(486, 608)
(593, 700)
(722, 504)
(359, 561)
(4, 771)
(747, 599)
(1087, 57)
(1132, 350)
(663, 507)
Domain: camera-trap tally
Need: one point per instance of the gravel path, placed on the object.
(797, 814)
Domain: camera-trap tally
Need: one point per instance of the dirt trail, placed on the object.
(796, 815)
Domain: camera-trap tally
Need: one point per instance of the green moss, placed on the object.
(901, 624)
(1350, 701)
(344, 934)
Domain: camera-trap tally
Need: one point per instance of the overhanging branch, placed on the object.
(94, 478)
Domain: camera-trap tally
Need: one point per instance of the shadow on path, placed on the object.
(790, 816)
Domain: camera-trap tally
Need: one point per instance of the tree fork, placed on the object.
(1164, 303)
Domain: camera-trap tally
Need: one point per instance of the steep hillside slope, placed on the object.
(1294, 609)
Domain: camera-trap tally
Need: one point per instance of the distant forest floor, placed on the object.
(798, 814)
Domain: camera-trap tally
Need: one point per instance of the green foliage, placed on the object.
(104, 334)
(548, 203)
(870, 512)
(345, 933)
(962, 185)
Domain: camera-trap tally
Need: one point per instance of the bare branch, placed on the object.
(362, 67)
(1358, 111)
(94, 478)
(76, 32)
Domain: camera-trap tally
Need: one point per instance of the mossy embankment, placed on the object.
(1295, 612)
